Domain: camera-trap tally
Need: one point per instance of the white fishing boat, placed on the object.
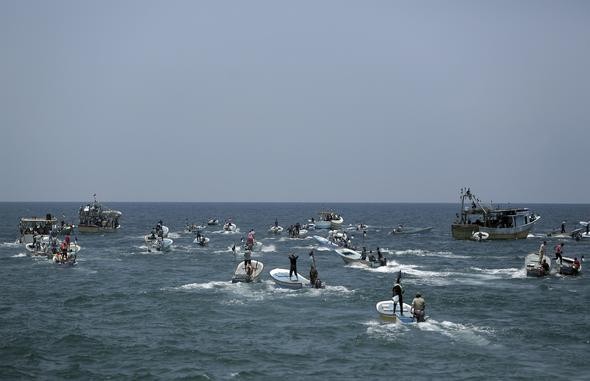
(499, 223)
(328, 220)
(158, 243)
(30, 227)
(534, 267)
(213, 221)
(350, 256)
(95, 218)
(194, 228)
(46, 246)
(385, 309)
(248, 274)
(570, 266)
(281, 278)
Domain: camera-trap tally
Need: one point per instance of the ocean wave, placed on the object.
(19, 255)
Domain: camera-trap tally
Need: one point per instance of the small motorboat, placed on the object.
(570, 266)
(158, 243)
(213, 221)
(249, 273)
(534, 268)
(275, 229)
(67, 260)
(201, 240)
(230, 227)
(410, 230)
(193, 228)
(325, 242)
(480, 236)
(385, 309)
(281, 278)
(350, 256)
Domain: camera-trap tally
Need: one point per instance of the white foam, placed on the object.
(10, 244)
(174, 235)
(268, 248)
(502, 273)
(19, 255)
(463, 333)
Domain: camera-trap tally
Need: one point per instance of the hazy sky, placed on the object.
(401, 101)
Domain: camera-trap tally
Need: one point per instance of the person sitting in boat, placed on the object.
(559, 252)
(372, 257)
(576, 264)
(276, 223)
(418, 308)
(364, 253)
(153, 235)
(545, 266)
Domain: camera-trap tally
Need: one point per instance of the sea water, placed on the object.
(126, 313)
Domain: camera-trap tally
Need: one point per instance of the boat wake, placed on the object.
(501, 273)
(425, 253)
(10, 244)
(268, 248)
(459, 333)
(466, 334)
(19, 255)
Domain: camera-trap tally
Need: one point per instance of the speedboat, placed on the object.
(194, 228)
(499, 223)
(248, 274)
(569, 267)
(281, 278)
(385, 309)
(213, 221)
(350, 256)
(534, 268)
(95, 218)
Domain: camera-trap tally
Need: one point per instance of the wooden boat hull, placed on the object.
(95, 229)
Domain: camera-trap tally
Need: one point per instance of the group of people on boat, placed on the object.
(381, 260)
(294, 230)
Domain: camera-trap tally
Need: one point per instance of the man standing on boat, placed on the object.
(542, 251)
(397, 296)
(559, 252)
(293, 267)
